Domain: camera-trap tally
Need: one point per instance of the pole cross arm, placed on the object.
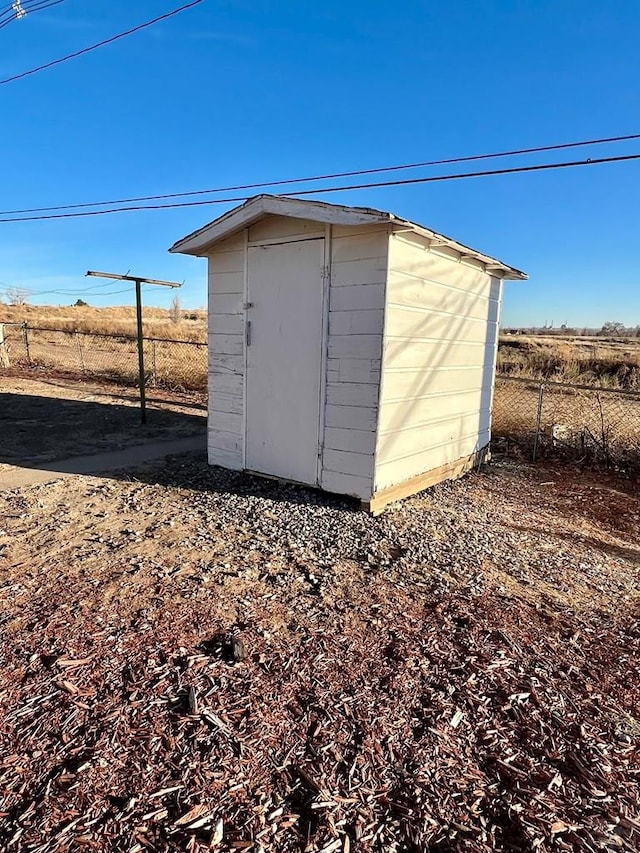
(138, 281)
(134, 278)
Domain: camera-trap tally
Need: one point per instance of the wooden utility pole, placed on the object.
(138, 283)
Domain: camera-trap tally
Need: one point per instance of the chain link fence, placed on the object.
(547, 419)
(174, 364)
(538, 418)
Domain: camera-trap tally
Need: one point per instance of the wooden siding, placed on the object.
(440, 336)
(400, 416)
(357, 297)
(284, 228)
(354, 346)
(226, 352)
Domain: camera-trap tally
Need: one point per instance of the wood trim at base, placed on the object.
(450, 471)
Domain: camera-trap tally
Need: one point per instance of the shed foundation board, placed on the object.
(451, 471)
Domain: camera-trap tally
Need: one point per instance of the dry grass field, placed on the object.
(119, 320)
(105, 344)
(605, 362)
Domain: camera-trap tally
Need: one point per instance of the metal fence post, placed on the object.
(25, 338)
(153, 362)
(4, 352)
(80, 358)
(538, 422)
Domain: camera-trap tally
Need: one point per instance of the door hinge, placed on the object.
(248, 332)
(326, 272)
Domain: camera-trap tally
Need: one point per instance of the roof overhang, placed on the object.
(200, 242)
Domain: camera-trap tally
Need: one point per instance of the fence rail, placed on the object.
(545, 418)
(168, 362)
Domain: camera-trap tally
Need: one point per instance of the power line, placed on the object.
(86, 291)
(335, 175)
(72, 293)
(34, 5)
(101, 43)
(343, 188)
(89, 291)
(63, 290)
(102, 293)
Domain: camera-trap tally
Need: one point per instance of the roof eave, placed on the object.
(199, 242)
(493, 265)
(252, 210)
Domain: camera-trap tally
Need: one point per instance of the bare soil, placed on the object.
(52, 418)
(199, 660)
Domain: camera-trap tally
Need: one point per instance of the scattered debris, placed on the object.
(238, 649)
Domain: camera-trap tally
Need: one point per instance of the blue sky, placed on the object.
(250, 90)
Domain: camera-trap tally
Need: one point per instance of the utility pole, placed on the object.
(138, 283)
(17, 8)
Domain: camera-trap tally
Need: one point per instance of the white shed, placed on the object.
(348, 348)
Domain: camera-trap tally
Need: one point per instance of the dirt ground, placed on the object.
(54, 418)
(199, 660)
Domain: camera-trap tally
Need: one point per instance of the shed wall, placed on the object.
(358, 264)
(440, 339)
(359, 256)
(226, 284)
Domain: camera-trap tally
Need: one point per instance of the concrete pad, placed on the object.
(16, 476)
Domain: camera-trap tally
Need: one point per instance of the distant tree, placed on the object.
(17, 296)
(80, 303)
(175, 312)
(612, 327)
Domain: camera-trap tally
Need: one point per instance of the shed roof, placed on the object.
(200, 242)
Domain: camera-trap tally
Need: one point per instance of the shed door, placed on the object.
(284, 357)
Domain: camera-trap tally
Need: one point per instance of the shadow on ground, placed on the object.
(192, 471)
(619, 552)
(47, 435)
(36, 430)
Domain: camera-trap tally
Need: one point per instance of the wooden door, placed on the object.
(284, 357)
